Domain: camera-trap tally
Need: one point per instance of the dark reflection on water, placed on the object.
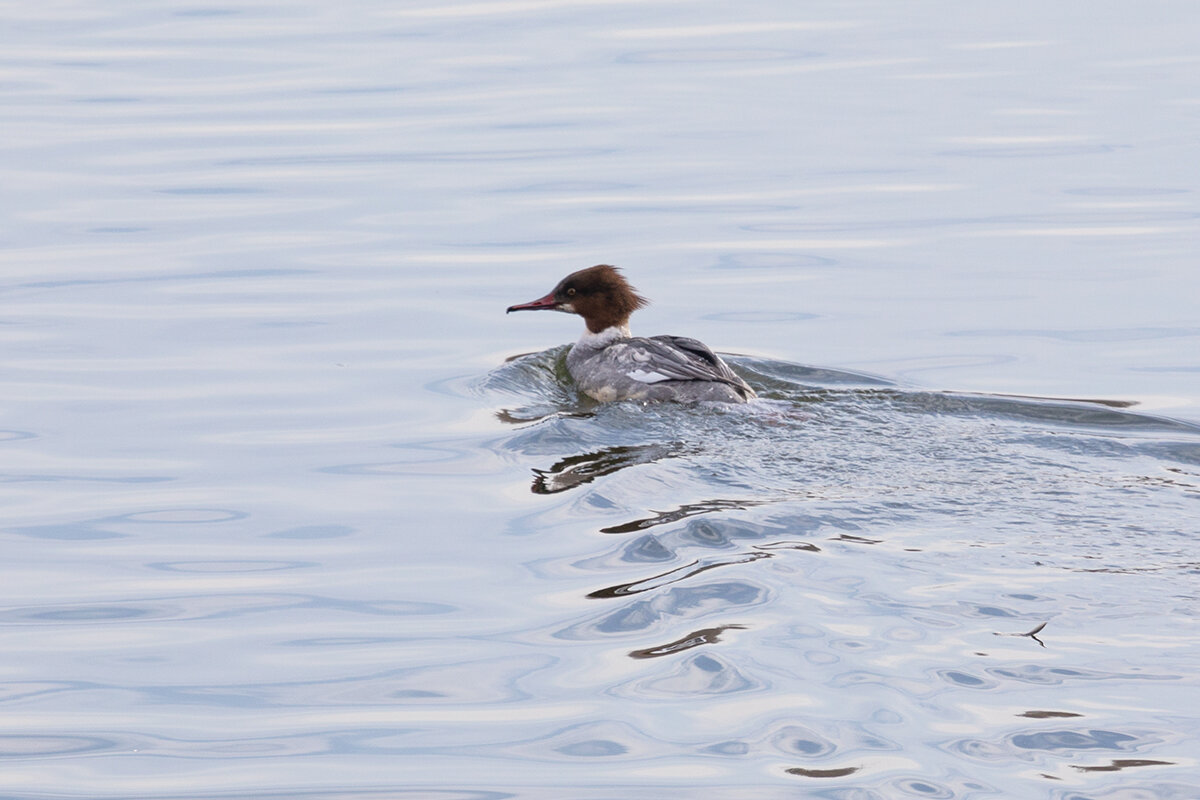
(674, 576)
(836, 772)
(693, 639)
(577, 470)
(683, 512)
(1118, 764)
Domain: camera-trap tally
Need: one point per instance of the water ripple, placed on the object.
(430, 157)
(209, 606)
(273, 533)
(687, 602)
(35, 746)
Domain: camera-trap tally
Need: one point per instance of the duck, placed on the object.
(610, 364)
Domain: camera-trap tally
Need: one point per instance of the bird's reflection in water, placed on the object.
(674, 576)
(693, 639)
(682, 512)
(530, 414)
(577, 470)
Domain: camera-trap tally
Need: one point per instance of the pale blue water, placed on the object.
(291, 509)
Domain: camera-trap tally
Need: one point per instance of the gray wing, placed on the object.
(675, 358)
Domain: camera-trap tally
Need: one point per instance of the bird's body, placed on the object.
(610, 364)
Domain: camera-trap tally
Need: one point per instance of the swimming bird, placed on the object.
(609, 363)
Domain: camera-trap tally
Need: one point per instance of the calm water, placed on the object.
(291, 509)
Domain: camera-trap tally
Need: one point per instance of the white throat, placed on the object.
(605, 337)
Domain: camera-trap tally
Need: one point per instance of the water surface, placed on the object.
(292, 510)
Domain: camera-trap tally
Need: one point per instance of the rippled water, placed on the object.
(812, 585)
(291, 509)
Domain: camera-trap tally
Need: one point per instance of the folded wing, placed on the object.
(675, 358)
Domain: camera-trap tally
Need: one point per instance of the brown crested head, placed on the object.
(599, 294)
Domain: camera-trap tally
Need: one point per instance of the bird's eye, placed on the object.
(571, 292)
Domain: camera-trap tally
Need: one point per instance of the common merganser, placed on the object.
(609, 364)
